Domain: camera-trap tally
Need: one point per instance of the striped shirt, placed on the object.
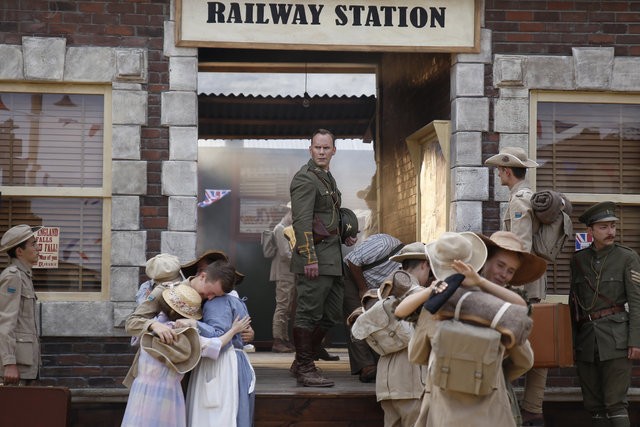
(373, 248)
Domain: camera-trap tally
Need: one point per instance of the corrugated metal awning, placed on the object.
(285, 117)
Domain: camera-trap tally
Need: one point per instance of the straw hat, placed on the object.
(511, 157)
(184, 300)
(465, 246)
(413, 250)
(532, 266)
(16, 235)
(191, 268)
(163, 268)
(182, 355)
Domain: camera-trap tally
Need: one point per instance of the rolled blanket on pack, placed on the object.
(547, 205)
(399, 285)
(484, 309)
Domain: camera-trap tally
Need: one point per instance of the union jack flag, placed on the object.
(212, 196)
(583, 240)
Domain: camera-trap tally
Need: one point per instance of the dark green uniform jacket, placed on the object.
(314, 192)
(615, 273)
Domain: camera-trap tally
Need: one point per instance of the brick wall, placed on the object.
(554, 27)
(85, 363)
(112, 23)
(414, 92)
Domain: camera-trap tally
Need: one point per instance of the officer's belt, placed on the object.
(601, 313)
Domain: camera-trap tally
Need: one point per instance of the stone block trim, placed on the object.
(125, 213)
(183, 215)
(179, 178)
(44, 58)
(183, 143)
(469, 183)
(129, 177)
(125, 142)
(128, 248)
(124, 283)
(466, 216)
(11, 65)
(180, 244)
(90, 64)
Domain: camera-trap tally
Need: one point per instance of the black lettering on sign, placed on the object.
(309, 14)
(389, 16)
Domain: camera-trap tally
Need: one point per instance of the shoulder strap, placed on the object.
(383, 258)
(329, 186)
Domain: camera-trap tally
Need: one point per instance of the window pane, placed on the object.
(589, 148)
(51, 140)
(80, 249)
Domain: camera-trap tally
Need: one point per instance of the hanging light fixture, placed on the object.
(306, 99)
(65, 101)
(2, 106)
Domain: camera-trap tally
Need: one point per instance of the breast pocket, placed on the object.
(25, 349)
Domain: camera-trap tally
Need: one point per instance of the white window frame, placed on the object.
(104, 192)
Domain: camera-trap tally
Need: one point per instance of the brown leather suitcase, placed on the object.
(34, 406)
(550, 337)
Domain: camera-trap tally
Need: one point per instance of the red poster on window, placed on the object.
(48, 239)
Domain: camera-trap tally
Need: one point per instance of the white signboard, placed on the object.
(372, 25)
(48, 240)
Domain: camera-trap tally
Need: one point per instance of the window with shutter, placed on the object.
(55, 163)
(588, 147)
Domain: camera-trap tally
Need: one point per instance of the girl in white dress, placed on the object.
(156, 398)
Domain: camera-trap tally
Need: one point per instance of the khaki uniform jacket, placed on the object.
(140, 321)
(314, 192)
(615, 272)
(397, 378)
(281, 262)
(18, 329)
(519, 219)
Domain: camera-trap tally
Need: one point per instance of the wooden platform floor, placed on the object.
(273, 378)
(280, 401)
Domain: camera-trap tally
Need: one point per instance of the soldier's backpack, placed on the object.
(466, 358)
(269, 245)
(380, 327)
(552, 210)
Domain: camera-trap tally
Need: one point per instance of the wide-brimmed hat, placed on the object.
(163, 268)
(532, 266)
(182, 355)
(465, 246)
(600, 212)
(512, 157)
(413, 250)
(16, 235)
(184, 300)
(191, 268)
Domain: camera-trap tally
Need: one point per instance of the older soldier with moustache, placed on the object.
(605, 278)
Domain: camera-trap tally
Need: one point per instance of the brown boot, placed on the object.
(306, 372)
(319, 352)
(279, 346)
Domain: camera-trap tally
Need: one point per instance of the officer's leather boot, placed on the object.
(306, 372)
(319, 352)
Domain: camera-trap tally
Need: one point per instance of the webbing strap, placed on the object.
(499, 314)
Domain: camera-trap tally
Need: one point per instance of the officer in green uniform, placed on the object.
(317, 257)
(605, 277)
